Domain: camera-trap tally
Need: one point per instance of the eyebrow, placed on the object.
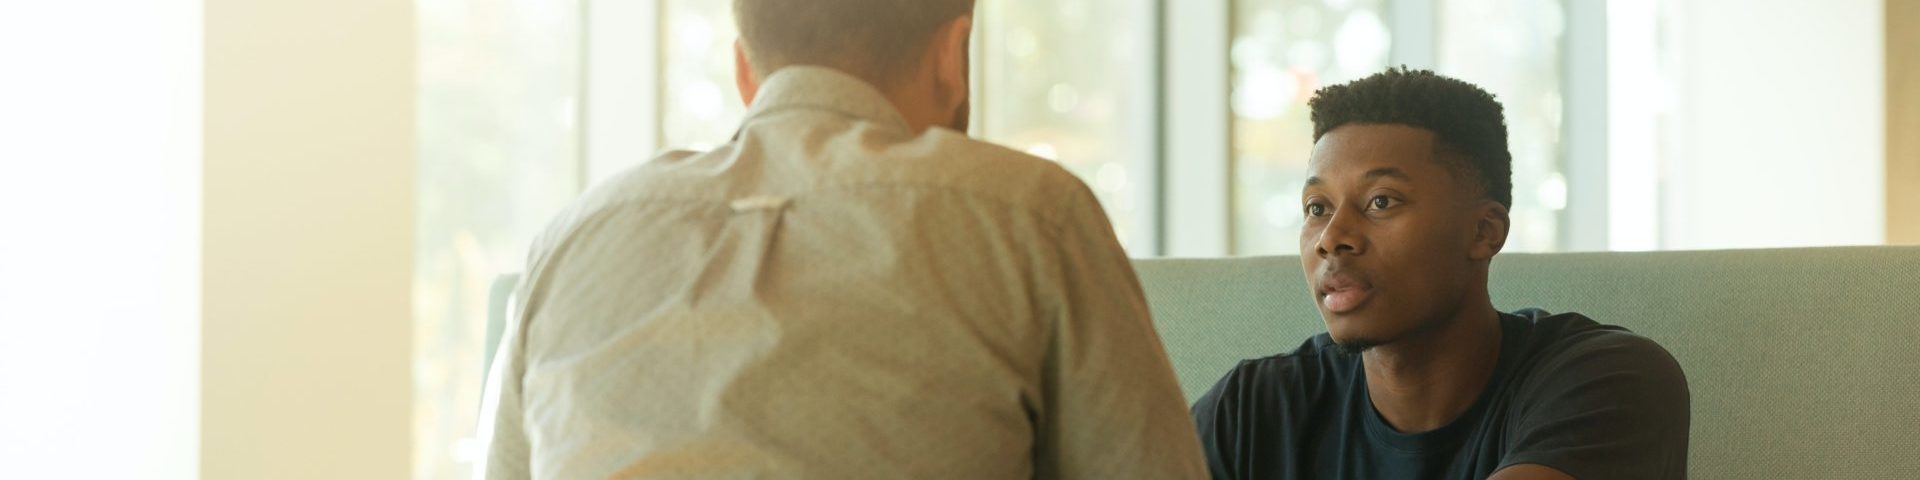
(1389, 172)
(1375, 174)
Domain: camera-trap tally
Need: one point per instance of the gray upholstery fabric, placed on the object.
(1802, 363)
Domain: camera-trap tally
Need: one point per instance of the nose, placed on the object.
(1341, 235)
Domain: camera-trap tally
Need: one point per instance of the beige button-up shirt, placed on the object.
(832, 296)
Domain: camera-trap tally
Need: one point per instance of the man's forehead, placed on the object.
(1374, 174)
(1361, 137)
(1362, 148)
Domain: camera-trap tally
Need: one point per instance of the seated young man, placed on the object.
(1418, 376)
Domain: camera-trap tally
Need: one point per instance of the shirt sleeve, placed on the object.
(1612, 407)
(509, 452)
(1112, 408)
(1216, 416)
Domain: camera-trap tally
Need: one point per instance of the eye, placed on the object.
(1316, 209)
(1380, 202)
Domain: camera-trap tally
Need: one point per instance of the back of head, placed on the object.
(880, 41)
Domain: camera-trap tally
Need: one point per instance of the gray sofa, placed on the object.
(1802, 363)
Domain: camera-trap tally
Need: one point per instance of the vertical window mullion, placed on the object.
(1414, 26)
(1196, 147)
(620, 94)
(1584, 148)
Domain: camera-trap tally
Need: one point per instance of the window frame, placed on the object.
(622, 111)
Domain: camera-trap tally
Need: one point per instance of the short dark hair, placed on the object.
(878, 40)
(1461, 115)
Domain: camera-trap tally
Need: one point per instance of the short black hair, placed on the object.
(878, 40)
(1461, 115)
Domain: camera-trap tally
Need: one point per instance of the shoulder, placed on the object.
(1597, 401)
(1251, 418)
(981, 162)
(1571, 340)
(814, 155)
(1292, 379)
(1573, 353)
(661, 181)
(951, 160)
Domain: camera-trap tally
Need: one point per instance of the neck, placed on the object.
(920, 112)
(1422, 383)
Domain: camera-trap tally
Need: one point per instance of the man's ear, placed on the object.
(1491, 225)
(743, 74)
(951, 69)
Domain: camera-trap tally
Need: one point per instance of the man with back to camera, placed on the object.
(850, 288)
(1418, 376)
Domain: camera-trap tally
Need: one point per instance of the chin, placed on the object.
(1351, 339)
(1356, 332)
(1355, 346)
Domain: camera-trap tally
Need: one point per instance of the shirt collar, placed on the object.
(811, 87)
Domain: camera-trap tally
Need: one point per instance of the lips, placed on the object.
(1343, 292)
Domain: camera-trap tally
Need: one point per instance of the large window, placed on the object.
(701, 107)
(1282, 51)
(1512, 48)
(1194, 151)
(499, 155)
(1067, 80)
(1073, 81)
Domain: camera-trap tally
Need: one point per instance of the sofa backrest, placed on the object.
(1802, 363)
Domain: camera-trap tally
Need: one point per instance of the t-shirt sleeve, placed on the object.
(1610, 407)
(1216, 416)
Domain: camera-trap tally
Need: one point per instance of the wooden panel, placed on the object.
(1903, 121)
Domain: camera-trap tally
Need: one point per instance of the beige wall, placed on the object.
(309, 177)
(1903, 121)
(1741, 127)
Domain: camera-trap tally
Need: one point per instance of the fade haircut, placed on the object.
(1466, 119)
(878, 40)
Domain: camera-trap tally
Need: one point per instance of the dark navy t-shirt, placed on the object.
(1594, 401)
